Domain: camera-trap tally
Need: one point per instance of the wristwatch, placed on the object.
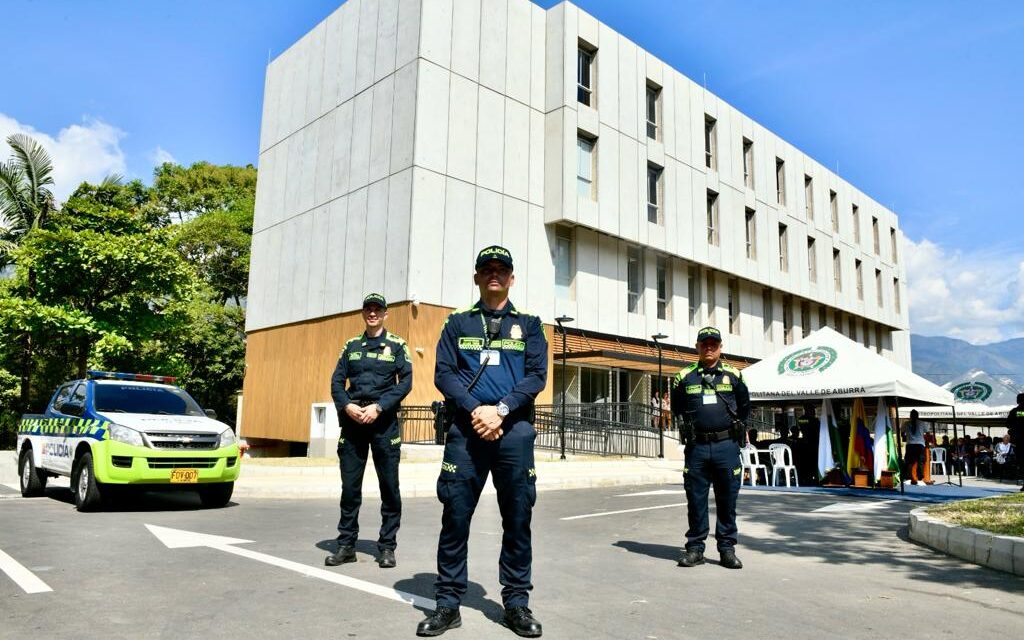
(380, 409)
(502, 409)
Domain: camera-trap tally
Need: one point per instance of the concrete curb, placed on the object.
(1004, 553)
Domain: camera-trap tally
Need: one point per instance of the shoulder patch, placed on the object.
(393, 338)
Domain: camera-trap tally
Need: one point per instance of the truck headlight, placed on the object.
(121, 433)
(227, 438)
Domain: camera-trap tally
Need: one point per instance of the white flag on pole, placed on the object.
(881, 449)
(825, 460)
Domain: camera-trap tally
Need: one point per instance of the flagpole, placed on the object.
(959, 473)
(899, 444)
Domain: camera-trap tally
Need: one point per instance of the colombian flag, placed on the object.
(859, 454)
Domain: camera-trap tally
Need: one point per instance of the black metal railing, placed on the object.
(418, 425)
(604, 429)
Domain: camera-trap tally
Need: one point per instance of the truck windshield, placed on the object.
(126, 398)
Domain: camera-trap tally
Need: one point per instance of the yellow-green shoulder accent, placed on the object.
(393, 338)
(685, 370)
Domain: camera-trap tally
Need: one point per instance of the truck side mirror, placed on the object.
(211, 414)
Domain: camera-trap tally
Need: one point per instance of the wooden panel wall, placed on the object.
(289, 368)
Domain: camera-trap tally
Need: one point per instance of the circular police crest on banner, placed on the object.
(807, 360)
(972, 391)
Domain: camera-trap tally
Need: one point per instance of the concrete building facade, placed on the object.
(401, 136)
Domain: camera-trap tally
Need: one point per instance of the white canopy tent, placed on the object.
(980, 399)
(827, 364)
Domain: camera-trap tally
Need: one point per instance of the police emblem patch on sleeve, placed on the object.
(516, 332)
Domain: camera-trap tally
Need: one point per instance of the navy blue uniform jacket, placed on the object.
(517, 379)
(690, 387)
(376, 369)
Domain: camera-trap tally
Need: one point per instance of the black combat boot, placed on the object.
(345, 553)
(691, 558)
(521, 620)
(729, 560)
(387, 559)
(440, 621)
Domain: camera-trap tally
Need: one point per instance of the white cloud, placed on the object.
(160, 156)
(82, 152)
(978, 297)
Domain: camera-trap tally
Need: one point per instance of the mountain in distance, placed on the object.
(940, 359)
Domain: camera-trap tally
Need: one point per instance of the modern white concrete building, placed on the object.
(401, 136)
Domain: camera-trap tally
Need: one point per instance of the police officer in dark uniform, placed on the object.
(1015, 427)
(377, 367)
(492, 361)
(713, 401)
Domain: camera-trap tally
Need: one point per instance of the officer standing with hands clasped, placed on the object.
(713, 401)
(492, 361)
(377, 367)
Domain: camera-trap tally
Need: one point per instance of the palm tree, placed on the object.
(26, 202)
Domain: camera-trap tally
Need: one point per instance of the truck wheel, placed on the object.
(83, 483)
(217, 495)
(33, 481)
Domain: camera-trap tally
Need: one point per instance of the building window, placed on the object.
(864, 334)
(654, 194)
(821, 316)
(783, 248)
(896, 294)
(809, 197)
(693, 292)
(892, 240)
(584, 73)
(856, 223)
(712, 218)
(851, 327)
(710, 143)
(878, 338)
(585, 167)
(787, 319)
(833, 204)
(812, 260)
(768, 311)
(780, 180)
(748, 163)
(837, 270)
(634, 278)
(874, 236)
(653, 110)
(878, 287)
(805, 318)
(664, 275)
(859, 272)
(565, 267)
(710, 295)
(751, 232)
(734, 307)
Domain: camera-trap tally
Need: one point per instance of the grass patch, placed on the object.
(1003, 515)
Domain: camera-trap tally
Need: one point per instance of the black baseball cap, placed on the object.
(375, 298)
(709, 333)
(494, 252)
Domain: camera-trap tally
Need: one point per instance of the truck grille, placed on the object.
(182, 463)
(194, 441)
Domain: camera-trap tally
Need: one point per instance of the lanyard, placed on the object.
(487, 335)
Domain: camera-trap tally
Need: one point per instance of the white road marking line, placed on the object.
(177, 539)
(841, 507)
(658, 492)
(612, 513)
(22, 577)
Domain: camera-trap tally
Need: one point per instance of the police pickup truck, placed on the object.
(115, 430)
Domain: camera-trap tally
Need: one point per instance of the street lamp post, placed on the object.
(562, 320)
(661, 409)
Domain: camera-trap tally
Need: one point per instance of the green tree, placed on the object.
(188, 192)
(217, 245)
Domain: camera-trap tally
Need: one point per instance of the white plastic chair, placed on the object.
(782, 461)
(939, 460)
(748, 462)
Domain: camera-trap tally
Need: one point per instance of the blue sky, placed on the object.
(917, 103)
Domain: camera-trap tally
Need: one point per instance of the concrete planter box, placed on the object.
(1004, 553)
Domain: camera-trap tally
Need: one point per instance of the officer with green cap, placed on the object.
(713, 401)
(373, 375)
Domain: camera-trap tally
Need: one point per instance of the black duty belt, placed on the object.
(706, 437)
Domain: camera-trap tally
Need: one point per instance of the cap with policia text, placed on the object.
(709, 333)
(375, 298)
(494, 252)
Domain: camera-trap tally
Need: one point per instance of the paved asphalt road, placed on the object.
(839, 573)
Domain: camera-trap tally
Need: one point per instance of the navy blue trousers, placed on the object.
(467, 462)
(712, 465)
(357, 440)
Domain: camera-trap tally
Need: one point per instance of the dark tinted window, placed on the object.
(62, 396)
(138, 399)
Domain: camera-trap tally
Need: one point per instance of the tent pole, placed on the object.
(959, 473)
(899, 445)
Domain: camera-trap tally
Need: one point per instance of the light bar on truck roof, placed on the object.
(137, 377)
